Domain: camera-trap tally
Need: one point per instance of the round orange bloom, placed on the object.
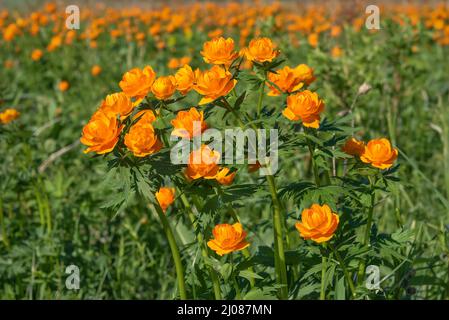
(117, 104)
(173, 63)
(228, 238)
(137, 83)
(219, 51)
(318, 223)
(305, 105)
(36, 54)
(186, 122)
(223, 177)
(96, 70)
(261, 50)
(164, 87)
(203, 163)
(8, 64)
(165, 196)
(142, 139)
(101, 133)
(379, 153)
(63, 86)
(336, 52)
(9, 115)
(353, 147)
(285, 79)
(10, 32)
(304, 73)
(185, 79)
(213, 83)
(313, 40)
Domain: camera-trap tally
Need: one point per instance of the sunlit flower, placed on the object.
(228, 238)
(101, 133)
(137, 83)
(261, 50)
(213, 83)
(63, 85)
(219, 51)
(353, 147)
(142, 140)
(165, 196)
(96, 70)
(186, 122)
(202, 163)
(318, 223)
(305, 106)
(9, 115)
(185, 79)
(379, 153)
(164, 87)
(117, 104)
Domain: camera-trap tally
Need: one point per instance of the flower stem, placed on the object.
(323, 276)
(234, 280)
(259, 101)
(345, 270)
(366, 238)
(174, 250)
(279, 255)
(201, 243)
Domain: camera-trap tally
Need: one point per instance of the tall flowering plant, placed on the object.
(140, 128)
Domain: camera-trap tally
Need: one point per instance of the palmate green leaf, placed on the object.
(239, 191)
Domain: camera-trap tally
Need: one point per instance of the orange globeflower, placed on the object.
(137, 83)
(185, 79)
(305, 105)
(219, 51)
(336, 52)
(228, 238)
(9, 115)
(36, 54)
(353, 147)
(213, 83)
(285, 79)
(186, 122)
(165, 196)
(203, 163)
(101, 133)
(379, 153)
(223, 177)
(164, 87)
(142, 139)
(261, 50)
(117, 104)
(318, 223)
(304, 73)
(96, 70)
(64, 85)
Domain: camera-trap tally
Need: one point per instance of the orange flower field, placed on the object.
(224, 150)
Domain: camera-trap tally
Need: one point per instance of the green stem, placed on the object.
(323, 276)
(279, 254)
(345, 270)
(366, 238)
(174, 250)
(314, 167)
(259, 101)
(234, 280)
(201, 243)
